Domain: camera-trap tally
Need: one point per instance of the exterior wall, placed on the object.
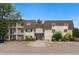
(20, 37)
(48, 34)
(8, 35)
(39, 30)
(18, 25)
(61, 29)
(70, 32)
(29, 34)
(20, 31)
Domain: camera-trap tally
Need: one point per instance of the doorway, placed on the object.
(39, 36)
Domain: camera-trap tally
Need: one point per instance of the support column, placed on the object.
(16, 32)
(8, 34)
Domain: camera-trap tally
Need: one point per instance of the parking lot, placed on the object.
(21, 47)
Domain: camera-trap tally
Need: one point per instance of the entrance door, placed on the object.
(39, 36)
(13, 37)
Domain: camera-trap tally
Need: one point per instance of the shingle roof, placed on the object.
(37, 25)
(48, 23)
(32, 23)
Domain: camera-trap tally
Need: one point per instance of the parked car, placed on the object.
(2, 40)
(76, 39)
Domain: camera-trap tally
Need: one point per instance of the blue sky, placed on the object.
(49, 11)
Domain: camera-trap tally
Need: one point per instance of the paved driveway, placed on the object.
(20, 47)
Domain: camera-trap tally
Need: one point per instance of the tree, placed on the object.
(18, 16)
(5, 10)
(57, 36)
(3, 28)
(39, 21)
(76, 32)
(8, 15)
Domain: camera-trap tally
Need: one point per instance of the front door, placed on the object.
(39, 36)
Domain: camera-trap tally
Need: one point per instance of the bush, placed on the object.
(68, 37)
(57, 36)
(30, 38)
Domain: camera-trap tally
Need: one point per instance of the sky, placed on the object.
(49, 11)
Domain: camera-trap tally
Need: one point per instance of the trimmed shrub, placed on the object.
(57, 36)
(68, 37)
(29, 38)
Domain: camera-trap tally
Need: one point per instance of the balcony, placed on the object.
(12, 33)
(19, 25)
(13, 25)
(20, 31)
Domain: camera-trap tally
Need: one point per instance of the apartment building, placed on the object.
(41, 31)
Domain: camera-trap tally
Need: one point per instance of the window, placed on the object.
(65, 30)
(66, 24)
(29, 30)
(53, 30)
(12, 31)
(28, 36)
(22, 31)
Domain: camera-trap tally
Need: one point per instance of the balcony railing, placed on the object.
(19, 26)
(14, 33)
(20, 33)
(12, 26)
